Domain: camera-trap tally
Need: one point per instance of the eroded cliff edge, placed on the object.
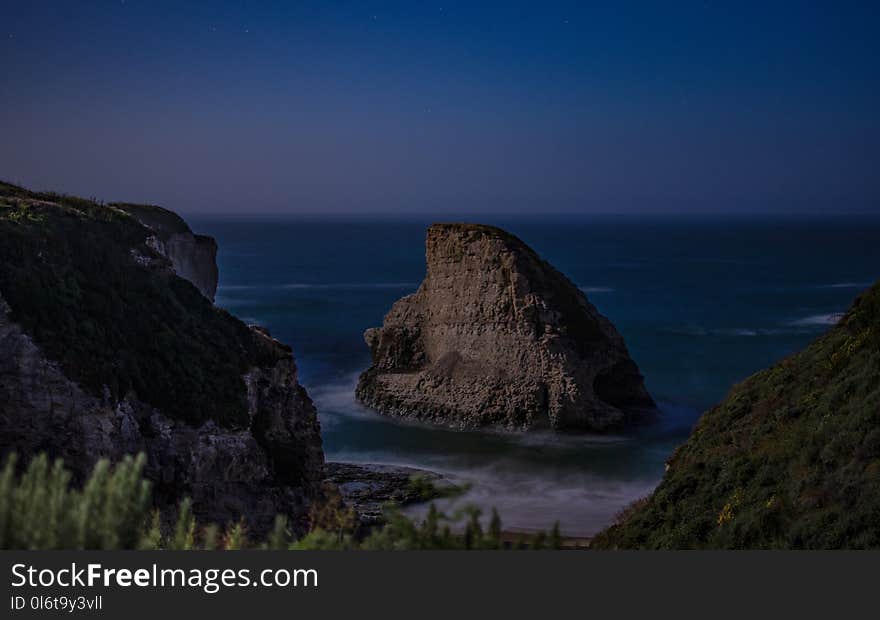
(193, 257)
(106, 350)
(495, 336)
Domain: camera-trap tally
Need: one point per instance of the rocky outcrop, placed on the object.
(371, 489)
(193, 257)
(495, 336)
(104, 351)
(271, 466)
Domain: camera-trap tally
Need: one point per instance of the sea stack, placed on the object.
(496, 337)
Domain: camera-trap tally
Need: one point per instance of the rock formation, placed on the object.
(193, 257)
(105, 351)
(370, 489)
(789, 459)
(495, 336)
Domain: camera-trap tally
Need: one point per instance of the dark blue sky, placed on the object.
(446, 107)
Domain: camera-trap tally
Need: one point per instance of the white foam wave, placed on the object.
(847, 285)
(336, 400)
(531, 501)
(733, 332)
(819, 319)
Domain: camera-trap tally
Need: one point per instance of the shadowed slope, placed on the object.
(790, 458)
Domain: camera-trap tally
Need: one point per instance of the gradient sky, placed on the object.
(445, 107)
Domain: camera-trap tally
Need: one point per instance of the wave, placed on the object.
(596, 289)
(797, 326)
(847, 285)
(532, 499)
(353, 285)
(819, 319)
(733, 332)
(529, 496)
(336, 402)
(533, 479)
(317, 285)
(237, 287)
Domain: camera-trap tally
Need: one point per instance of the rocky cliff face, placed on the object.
(789, 459)
(193, 257)
(105, 351)
(495, 336)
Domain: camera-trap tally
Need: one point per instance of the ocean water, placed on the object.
(702, 303)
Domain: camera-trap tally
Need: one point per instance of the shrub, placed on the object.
(39, 509)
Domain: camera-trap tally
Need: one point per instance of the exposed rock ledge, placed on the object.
(255, 472)
(193, 257)
(495, 336)
(369, 488)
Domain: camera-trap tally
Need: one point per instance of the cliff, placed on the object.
(789, 459)
(193, 257)
(105, 350)
(495, 336)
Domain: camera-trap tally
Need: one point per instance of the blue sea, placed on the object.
(701, 302)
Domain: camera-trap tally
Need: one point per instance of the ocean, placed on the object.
(701, 302)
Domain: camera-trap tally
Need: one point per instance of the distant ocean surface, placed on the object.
(702, 303)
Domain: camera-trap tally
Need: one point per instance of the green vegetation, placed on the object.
(68, 272)
(790, 459)
(421, 487)
(39, 509)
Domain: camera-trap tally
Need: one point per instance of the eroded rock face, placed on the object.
(272, 465)
(193, 257)
(495, 336)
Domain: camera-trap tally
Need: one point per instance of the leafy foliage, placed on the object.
(69, 272)
(423, 488)
(39, 509)
(790, 459)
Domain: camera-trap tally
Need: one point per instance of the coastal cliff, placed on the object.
(789, 459)
(193, 257)
(110, 345)
(495, 336)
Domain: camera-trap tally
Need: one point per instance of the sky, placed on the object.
(445, 107)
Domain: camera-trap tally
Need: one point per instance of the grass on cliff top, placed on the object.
(68, 273)
(790, 459)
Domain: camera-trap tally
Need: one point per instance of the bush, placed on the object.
(39, 509)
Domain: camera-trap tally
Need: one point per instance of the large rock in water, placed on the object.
(495, 336)
(789, 459)
(105, 350)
